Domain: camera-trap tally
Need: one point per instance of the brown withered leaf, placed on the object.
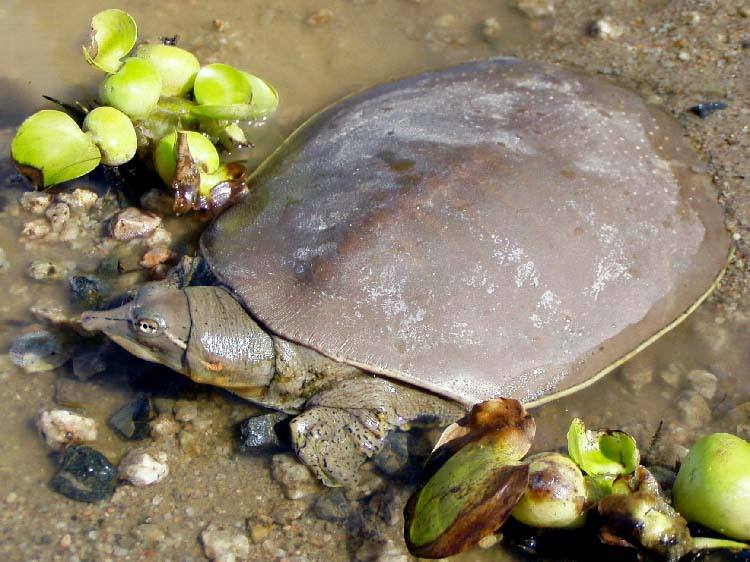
(187, 178)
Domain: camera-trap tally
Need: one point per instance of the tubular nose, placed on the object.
(92, 321)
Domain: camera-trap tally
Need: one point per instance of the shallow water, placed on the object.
(366, 42)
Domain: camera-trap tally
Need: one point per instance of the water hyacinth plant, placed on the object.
(148, 96)
(476, 477)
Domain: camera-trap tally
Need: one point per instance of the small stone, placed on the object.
(88, 290)
(85, 475)
(262, 433)
(683, 56)
(159, 237)
(43, 270)
(704, 109)
(79, 198)
(36, 229)
(132, 420)
(393, 459)
(65, 541)
(380, 550)
(295, 478)
(133, 223)
(35, 202)
(488, 542)
(536, 8)
(703, 382)
(156, 256)
(158, 201)
(149, 533)
(320, 17)
(287, 512)
(185, 411)
(4, 263)
(38, 350)
(141, 469)
(57, 215)
(694, 408)
(223, 544)
(331, 505)
(744, 11)
(88, 364)
(61, 428)
(672, 374)
(491, 29)
(637, 374)
(606, 28)
(259, 527)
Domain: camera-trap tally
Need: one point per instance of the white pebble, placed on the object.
(222, 544)
(61, 428)
(141, 469)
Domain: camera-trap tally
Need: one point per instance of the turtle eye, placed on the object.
(147, 326)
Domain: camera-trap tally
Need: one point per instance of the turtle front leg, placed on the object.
(347, 423)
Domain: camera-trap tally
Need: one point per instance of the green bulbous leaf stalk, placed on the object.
(221, 84)
(713, 485)
(236, 112)
(113, 34)
(49, 148)
(556, 496)
(134, 89)
(177, 67)
(113, 133)
(202, 150)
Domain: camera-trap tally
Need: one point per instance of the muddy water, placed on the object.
(657, 397)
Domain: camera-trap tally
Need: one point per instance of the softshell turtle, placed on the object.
(498, 228)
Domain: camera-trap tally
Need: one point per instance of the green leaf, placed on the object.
(176, 67)
(221, 84)
(113, 34)
(134, 89)
(113, 132)
(49, 148)
(604, 454)
(706, 543)
(265, 98)
(236, 112)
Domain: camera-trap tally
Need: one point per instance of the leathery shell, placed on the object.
(498, 228)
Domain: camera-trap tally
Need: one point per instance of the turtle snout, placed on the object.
(103, 321)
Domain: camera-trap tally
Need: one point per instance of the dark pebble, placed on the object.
(705, 109)
(85, 475)
(87, 290)
(331, 505)
(393, 459)
(264, 434)
(87, 364)
(132, 420)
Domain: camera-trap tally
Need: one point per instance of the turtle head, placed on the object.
(154, 325)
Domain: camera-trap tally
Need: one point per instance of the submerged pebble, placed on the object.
(224, 544)
(88, 290)
(45, 270)
(261, 433)
(87, 364)
(536, 8)
(35, 202)
(141, 469)
(295, 478)
(61, 428)
(132, 420)
(132, 223)
(85, 475)
(4, 262)
(38, 350)
(605, 28)
(705, 109)
(703, 382)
